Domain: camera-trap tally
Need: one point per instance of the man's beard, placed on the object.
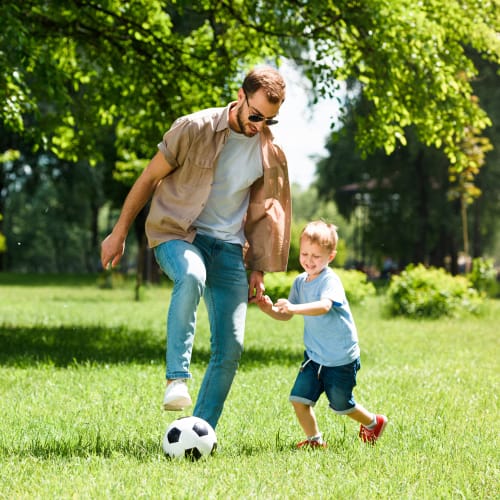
(241, 124)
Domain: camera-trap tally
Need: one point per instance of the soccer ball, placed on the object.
(190, 437)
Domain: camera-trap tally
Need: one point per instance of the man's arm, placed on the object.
(256, 286)
(113, 246)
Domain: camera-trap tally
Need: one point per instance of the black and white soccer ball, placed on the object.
(190, 437)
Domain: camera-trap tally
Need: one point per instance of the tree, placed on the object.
(413, 207)
(485, 212)
(50, 216)
(75, 68)
(140, 64)
(396, 203)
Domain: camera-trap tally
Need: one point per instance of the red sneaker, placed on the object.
(311, 444)
(371, 435)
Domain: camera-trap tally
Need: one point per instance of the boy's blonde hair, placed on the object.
(323, 234)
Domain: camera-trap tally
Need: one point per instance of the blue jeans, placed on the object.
(337, 382)
(213, 269)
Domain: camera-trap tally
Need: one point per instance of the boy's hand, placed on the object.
(284, 306)
(277, 312)
(265, 303)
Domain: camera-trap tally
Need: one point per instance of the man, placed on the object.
(220, 205)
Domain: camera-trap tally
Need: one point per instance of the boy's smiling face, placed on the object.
(313, 257)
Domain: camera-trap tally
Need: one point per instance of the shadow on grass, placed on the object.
(35, 280)
(84, 447)
(64, 346)
(143, 450)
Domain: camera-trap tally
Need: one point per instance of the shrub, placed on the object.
(483, 276)
(420, 292)
(278, 284)
(355, 284)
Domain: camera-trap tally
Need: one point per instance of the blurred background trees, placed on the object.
(90, 87)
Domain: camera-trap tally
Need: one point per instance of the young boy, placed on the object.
(331, 358)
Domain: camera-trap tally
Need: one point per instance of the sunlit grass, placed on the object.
(82, 376)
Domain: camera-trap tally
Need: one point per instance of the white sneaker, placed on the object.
(176, 396)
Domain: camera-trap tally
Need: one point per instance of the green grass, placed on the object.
(82, 377)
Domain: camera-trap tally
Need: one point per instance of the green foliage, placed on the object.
(483, 276)
(6, 156)
(294, 255)
(72, 72)
(3, 245)
(409, 60)
(355, 283)
(420, 292)
(399, 202)
(49, 224)
(139, 65)
(278, 285)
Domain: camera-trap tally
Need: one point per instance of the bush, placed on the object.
(483, 276)
(430, 293)
(355, 284)
(278, 284)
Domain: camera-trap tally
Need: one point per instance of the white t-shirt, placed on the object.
(238, 167)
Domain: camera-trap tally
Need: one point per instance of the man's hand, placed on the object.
(256, 286)
(112, 249)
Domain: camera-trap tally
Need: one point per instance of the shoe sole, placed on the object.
(177, 405)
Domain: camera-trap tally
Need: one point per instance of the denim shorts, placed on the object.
(337, 382)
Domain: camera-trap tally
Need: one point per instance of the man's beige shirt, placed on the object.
(192, 147)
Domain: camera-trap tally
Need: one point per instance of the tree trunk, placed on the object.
(422, 209)
(465, 232)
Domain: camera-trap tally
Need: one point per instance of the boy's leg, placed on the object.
(339, 383)
(307, 418)
(305, 392)
(361, 415)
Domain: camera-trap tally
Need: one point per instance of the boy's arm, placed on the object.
(317, 308)
(266, 305)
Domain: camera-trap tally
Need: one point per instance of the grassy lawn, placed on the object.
(82, 378)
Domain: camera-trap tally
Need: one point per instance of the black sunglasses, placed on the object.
(259, 118)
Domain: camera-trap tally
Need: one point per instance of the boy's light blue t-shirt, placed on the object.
(330, 339)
